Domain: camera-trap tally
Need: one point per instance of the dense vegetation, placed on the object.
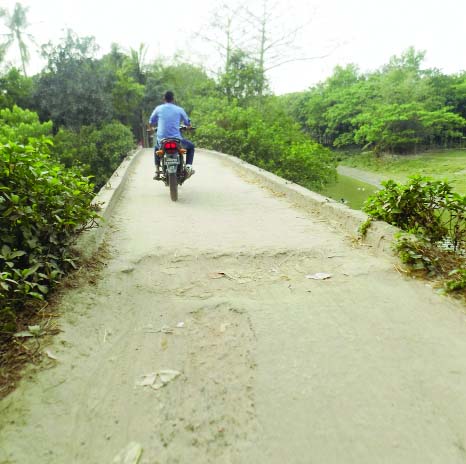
(400, 108)
(422, 206)
(433, 218)
(43, 206)
(98, 152)
(266, 136)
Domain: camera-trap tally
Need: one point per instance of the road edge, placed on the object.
(89, 241)
(379, 235)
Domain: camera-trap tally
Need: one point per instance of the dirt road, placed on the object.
(364, 367)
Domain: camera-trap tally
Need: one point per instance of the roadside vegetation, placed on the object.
(401, 108)
(43, 207)
(433, 220)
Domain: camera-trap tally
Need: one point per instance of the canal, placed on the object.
(350, 191)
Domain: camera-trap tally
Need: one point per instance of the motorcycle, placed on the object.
(173, 163)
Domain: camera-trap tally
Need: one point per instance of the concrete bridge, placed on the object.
(242, 324)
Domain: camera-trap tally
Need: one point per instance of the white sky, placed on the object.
(368, 32)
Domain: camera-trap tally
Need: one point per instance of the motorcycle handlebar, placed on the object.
(154, 128)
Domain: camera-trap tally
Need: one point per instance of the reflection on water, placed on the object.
(350, 191)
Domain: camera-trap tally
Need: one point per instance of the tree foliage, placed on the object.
(97, 151)
(18, 125)
(266, 136)
(400, 108)
(72, 91)
(243, 79)
(15, 89)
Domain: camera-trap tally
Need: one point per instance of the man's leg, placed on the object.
(157, 163)
(189, 157)
(189, 151)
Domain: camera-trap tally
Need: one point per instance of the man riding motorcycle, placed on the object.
(167, 117)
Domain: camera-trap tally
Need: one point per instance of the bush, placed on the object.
(98, 151)
(423, 206)
(20, 125)
(434, 218)
(266, 137)
(308, 164)
(43, 207)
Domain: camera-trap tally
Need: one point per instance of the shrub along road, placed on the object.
(363, 367)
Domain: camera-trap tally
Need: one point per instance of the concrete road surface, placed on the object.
(366, 366)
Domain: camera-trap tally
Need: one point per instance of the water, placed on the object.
(350, 191)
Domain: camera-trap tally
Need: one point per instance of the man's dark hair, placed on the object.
(169, 97)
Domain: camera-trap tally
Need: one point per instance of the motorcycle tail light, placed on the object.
(170, 146)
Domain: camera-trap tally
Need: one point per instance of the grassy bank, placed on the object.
(448, 164)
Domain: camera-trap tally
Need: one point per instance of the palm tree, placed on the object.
(2, 45)
(137, 58)
(17, 24)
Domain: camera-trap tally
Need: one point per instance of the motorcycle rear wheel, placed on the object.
(173, 183)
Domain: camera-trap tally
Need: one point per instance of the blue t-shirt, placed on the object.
(167, 118)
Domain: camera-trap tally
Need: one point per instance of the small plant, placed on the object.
(364, 227)
(457, 281)
(417, 253)
(428, 260)
(433, 219)
(424, 207)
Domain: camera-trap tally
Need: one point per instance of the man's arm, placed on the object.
(154, 118)
(185, 118)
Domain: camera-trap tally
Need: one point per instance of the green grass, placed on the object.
(443, 165)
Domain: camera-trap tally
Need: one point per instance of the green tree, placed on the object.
(403, 128)
(73, 90)
(15, 89)
(243, 79)
(19, 125)
(127, 95)
(189, 83)
(454, 89)
(399, 108)
(99, 151)
(129, 89)
(265, 136)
